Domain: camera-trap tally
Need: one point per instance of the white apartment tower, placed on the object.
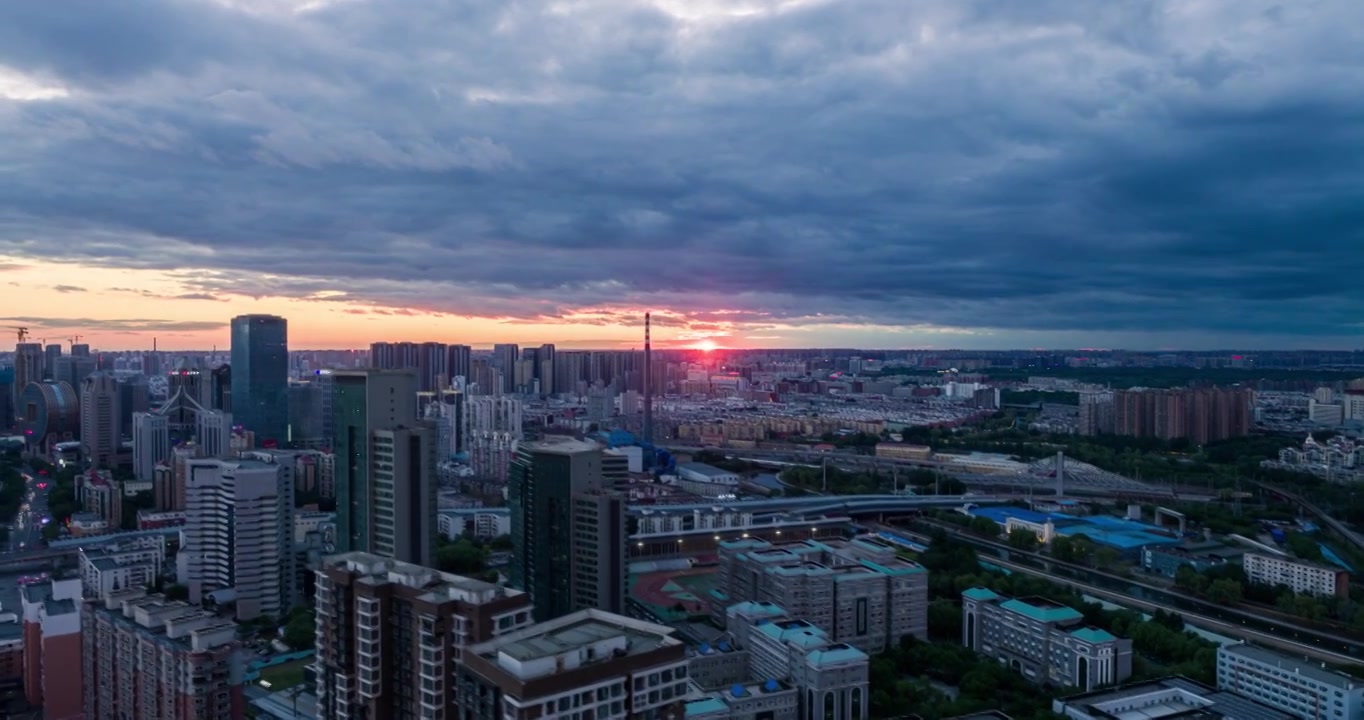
(215, 433)
(151, 443)
(99, 419)
(239, 535)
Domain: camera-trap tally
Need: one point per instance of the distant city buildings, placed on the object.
(1202, 415)
(1339, 459)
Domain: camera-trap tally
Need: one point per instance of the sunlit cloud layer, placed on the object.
(877, 173)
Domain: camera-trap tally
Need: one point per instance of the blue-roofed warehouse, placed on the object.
(1128, 537)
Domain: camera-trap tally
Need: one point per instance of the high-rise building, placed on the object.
(1202, 415)
(587, 664)
(457, 363)
(260, 375)
(1096, 413)
(146, 656)
(390, 634)
(52, 647)
(568, 529)
(215, 433)
(505, 356)
(239, 535)
(100, 436)
(80, 350)
(545, 371)
(220, 393)
(73, 369)
(385, 466)
(28, 368)
(133, 397)
(151, 443)
(50, 355)
(49, 413)
(494, 430)
(7, 397)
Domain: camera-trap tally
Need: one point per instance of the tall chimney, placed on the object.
(648, 385)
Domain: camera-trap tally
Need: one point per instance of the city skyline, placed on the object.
(776, 173)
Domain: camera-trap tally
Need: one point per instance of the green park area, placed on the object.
(284, 675)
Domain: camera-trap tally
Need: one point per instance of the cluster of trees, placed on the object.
(469, 557)
(1228, 584)
(911, 678)
(843, 482)
(62, 502)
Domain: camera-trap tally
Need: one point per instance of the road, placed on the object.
(27, 531)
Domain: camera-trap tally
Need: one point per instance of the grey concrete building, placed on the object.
(1048, 643)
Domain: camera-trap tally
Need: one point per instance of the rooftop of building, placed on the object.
(835, 655)
(436, 586)
(704, 469)
(1093, 634)
(1042, 609)
(751, 607)
(983, 715)
(980, 593)
(586, 637)
(1167, 699)
(1295, 561)
(707, 706)
(794, 632)
(1291, 664)
(173, 623)
(561, 445)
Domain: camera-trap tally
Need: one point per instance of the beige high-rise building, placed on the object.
(100, 419)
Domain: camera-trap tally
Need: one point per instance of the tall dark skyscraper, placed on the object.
(260, 376)
(567, 527)
(457, 363)
(505, 357)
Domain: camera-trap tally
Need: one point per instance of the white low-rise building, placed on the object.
(483, 523)
(1306, 578)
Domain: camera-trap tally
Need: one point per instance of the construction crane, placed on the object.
(73, 340)
(23, 332)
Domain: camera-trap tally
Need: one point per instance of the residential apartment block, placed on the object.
(116, 565)
(587, 664)
(1302, 689)
(1047, 642)
(389, 634)
(859, 591)
(1302, 577)
(146, 656)
(52, 647)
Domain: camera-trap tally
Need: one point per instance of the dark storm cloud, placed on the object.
(1046, 166)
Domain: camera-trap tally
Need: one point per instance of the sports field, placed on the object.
(663, 591)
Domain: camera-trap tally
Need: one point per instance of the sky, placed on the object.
(1145, 174)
